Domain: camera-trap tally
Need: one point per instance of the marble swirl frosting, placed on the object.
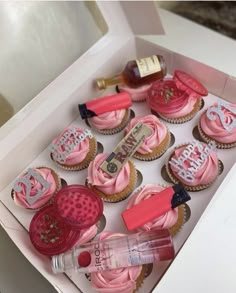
(165, 221)
(104, 182)
(20, 198)
(159, 132)
(215, 129)
(107, 120)
(79, 152)
(122, 280)
(165, 98)
(204, 172)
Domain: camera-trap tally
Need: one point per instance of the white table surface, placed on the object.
(17, 275)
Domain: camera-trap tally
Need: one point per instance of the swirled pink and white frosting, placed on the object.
(159, 132)
(103, 181)
(165, 98)
(165, 221)
(215, 129)
(79, 152)
(205, 174)
(137, 94)
(122, 280)
(20, 197)
(108, 120)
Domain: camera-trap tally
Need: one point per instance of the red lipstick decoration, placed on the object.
(105, 104)
(155, 206)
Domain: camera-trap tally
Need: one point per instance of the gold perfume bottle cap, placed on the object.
(101, 83)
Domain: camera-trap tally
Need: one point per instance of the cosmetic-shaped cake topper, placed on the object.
(125, 149)
(213, 111)
(105, 104)
(191, 149)
(118, 252)
(155, 206)
(26, 181)
(67, 143)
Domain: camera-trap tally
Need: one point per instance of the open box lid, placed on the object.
(124, 20)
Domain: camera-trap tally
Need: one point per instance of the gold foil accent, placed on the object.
(101, 83)
(125, 149)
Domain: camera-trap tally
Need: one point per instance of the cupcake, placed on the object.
(110, 122)
(218, 123)
(195, 165)
(156, 143)
(137, 94)
(74, 148)
(35, 188)
(111, 189)
(173, 220)
(125, 280)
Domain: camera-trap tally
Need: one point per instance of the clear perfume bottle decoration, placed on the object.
(137, 73)
(123, 251)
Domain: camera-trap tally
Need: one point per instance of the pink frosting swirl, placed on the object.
(107, 120)
(207, 171)
(104, 182)
(121, 280)
(79, 153)
(215, 129)
(20, 197)
(137, 94)
(158, 134)
(87, 234)
(165, 98)
(165, 221)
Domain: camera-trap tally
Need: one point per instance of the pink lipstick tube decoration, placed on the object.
(105, 104)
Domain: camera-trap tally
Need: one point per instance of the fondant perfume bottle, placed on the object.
(124, 251)
(137, 72)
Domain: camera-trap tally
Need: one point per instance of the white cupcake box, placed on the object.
(206, 257)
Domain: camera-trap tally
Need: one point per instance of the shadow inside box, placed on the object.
(219, 16)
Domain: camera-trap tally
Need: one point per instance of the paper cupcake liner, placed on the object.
(119, 196)
(117, 129)
(180, 222)
(185, 118)
(140, 278)
(219, 145)
(84, 164)
(157, 152)
(50, 200)
(175, 180)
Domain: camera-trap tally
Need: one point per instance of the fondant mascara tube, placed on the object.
(155, 206)
(105, 104)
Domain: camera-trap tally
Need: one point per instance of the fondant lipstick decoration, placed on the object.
(105, 104)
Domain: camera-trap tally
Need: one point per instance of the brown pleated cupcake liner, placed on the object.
(219, 145)
(117, 129)
(119, 196)
(141, 277)
(180, 222)
(185, 118)
(50, 201)
(84, 164)
(175, 180)
(157, 152)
